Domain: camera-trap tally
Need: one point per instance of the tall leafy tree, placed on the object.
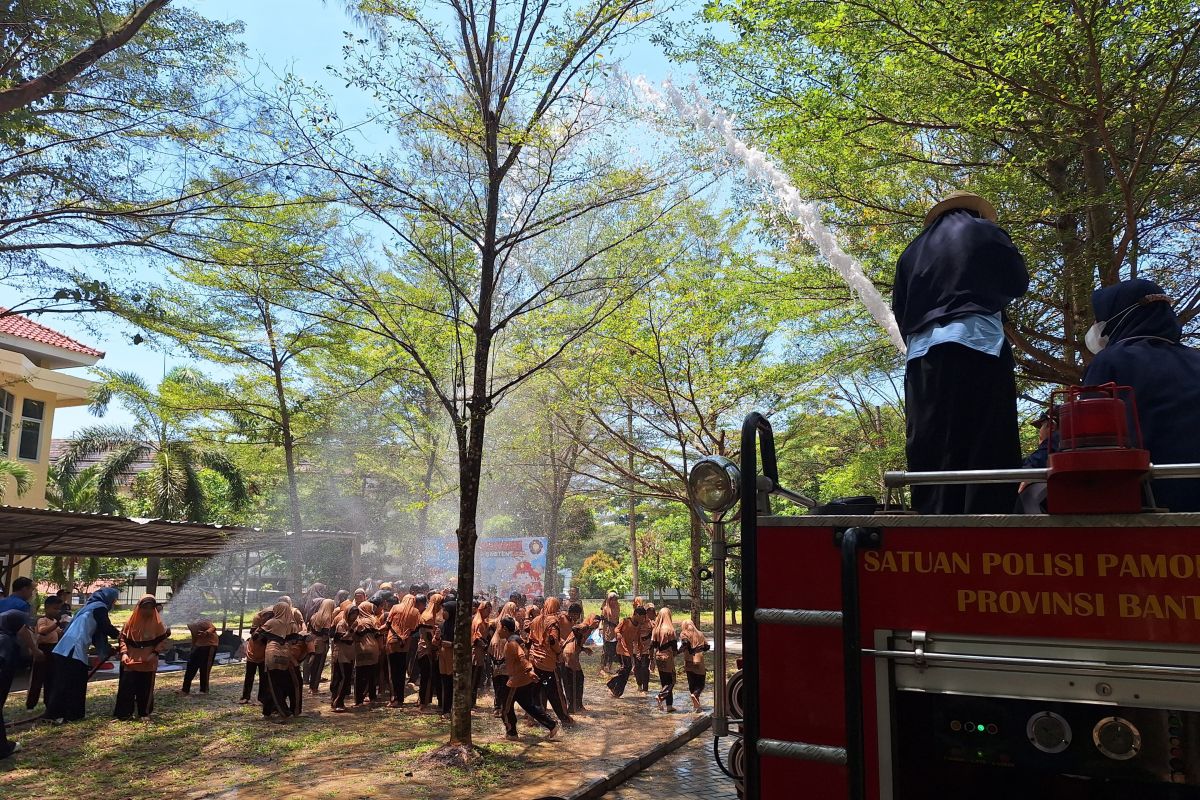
(1080, 119)
(157, 449)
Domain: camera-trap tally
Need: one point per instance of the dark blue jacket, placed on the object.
(1144, 352)
(961, 264)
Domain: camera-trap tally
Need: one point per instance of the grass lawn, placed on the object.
(210, 747)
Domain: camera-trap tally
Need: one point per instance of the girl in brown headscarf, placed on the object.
(576, 643)
(445, 658)
(281, 692)
(628, 642)
(142, 639)
(402, 623)
(610, 618)
(427, 648)
(204, 650)
(693, 645)
(320, 628)
(496, 653)
(366, 655)
(641, 658)
(481, 632)
(664, 644)
(522, 684)
(256, 653)
(341, 641)
(545, 647)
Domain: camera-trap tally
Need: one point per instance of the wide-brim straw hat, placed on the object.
(960, 199)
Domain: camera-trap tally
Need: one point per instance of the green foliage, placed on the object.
(21, 475)
(600, 574)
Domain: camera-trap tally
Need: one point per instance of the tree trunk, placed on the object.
(152, 570)
(427, 486)
(633, 554)
(296, 556)
(552, 586)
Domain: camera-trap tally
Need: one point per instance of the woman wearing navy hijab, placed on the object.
(90, 626)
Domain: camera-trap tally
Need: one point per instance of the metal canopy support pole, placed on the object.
(245, 586)
(11, 566)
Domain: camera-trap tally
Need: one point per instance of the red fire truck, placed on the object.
(896, 656)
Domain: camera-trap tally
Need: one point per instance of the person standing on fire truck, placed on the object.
(952, 285)
(1136, 342)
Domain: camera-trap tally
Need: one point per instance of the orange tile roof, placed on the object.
(24, 328)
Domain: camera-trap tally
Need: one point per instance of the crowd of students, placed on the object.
(526, 651)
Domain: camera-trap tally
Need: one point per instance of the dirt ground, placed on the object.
(210, 747)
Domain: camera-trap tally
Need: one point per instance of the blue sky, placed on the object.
(299, 36)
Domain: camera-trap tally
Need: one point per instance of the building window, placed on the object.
(32, 412)
(6, 416)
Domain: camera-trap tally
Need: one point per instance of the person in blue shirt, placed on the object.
(1136, 342)
(22, 593)
(90, 626)
(953, 283)
(13, 656)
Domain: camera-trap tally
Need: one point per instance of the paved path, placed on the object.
(689, 773)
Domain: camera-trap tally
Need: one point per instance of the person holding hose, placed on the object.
(90, 626)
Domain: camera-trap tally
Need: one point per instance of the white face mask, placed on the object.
(1094, 339)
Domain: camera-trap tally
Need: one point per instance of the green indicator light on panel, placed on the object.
(979, 728)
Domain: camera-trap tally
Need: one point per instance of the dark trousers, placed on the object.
(316, 666)
(398, 667)
(200, 661)
(6, 747)
(618, 682)
(252, 668)
(641, 672)
(610, 655)
(500, 690)
(68, 701)
(667, 679)
(526, 697)
(573, 686)
(445, 693)
(41, 676)
(279, 692)
(695, 683)
(340, 683)
(135, 692)
(960, 408)
(425, 669)
(366, 683)
(476, 684)
(552, 691)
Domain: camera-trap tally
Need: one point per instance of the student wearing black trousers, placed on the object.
(522, 685)
(256, 652)
(628, 641)
(402, 622)
(445, 659)
(12, 658)
(571, 671)
(664, 644)
(366, 654)
(693, 645)
(200, 660)
(341, 644)
(46, 631)
(142, 639)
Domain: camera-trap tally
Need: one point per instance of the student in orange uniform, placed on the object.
(204, 650)
(628, 642)
(577, 642)
(280, 690)
(445, 658)
(256, 653)
(610, 618)
(481, 632)
(342, 645)
(545, 646)
(665, 644)
(693, 645)
(320, 629)
(427, 648)
(522, 684)
(366, 655)
(495, 652)
(403, 620)
(46, 631)
(142, 639)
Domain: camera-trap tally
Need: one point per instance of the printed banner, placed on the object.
(502, 566)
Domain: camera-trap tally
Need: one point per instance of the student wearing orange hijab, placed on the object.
(610, 618)
(481, 632)
(280, 691)
(628, 641)
(342, 646)
(693, 646)
(445, 658)
(402, 623)
(522, 684)
(142, 639)
(200, 660)
(576, 643)
(256, 653)
(366, 655)
(428, 644)
(320, 628)
(495, 653)
(665, 644)
(545, 648)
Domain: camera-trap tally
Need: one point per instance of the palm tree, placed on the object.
(156, 448)
(21, 475)
(72, 492)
